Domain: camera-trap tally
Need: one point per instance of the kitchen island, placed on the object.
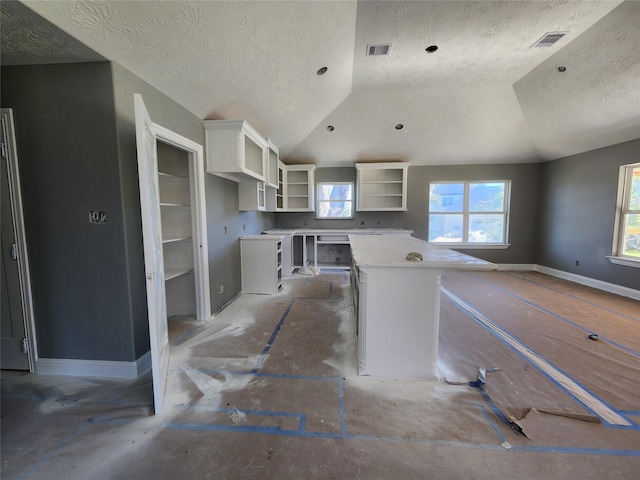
(397, 302)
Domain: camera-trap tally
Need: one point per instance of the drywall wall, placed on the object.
(221, 197)
(169, 114)
(525, 185)
(578, 203)
(523, 218)
(67, 149)
(360, 220)
(76, 142)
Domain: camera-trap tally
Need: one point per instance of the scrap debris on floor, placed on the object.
(269, 389)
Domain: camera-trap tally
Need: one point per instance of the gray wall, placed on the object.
(68, 157)
(577, 213)
(525, 187)
(76, 142)
(360, 220)
(221, 195)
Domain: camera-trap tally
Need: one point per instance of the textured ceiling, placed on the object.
(484, 97)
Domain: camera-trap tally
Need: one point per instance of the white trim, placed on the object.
(585, 397)
(24, 271)
(94, 368)
(590, 282)
(572, 277)
(473, 246)
(198, 206)
(527, 267)
(627, 262)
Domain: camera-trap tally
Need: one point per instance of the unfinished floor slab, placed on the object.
(269, 389)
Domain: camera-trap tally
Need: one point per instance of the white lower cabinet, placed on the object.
(397, 303)
(261, 258)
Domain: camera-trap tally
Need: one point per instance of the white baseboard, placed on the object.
(529, 267)
(591, 282)
(572, 277)
(93, 368)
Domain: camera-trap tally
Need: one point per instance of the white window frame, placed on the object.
(318, 201)
(622, 210)
(466, 213)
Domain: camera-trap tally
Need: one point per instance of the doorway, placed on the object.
(17, 332)
(172, 204)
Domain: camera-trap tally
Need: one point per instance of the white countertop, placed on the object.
(339, 231)
(391, 251)
(262, 237)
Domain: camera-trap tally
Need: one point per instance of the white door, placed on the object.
(153, 260)
(12, 331)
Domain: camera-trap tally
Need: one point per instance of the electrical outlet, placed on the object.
(244, 227)
(221, 289)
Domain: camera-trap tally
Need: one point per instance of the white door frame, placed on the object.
(24, 273)
(195, 153)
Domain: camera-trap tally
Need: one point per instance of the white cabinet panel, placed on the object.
(261, 258)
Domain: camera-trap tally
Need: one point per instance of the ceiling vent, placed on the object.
(381, 49)
(548, 39)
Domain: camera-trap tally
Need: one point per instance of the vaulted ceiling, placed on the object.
(484, 96)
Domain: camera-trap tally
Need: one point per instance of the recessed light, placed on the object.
(561, 69)
(322, 71)
(431, 48)
(399, 126)
(331, 128)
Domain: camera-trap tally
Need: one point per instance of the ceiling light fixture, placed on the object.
(399, 126)
(331, 128)
(322, 71)
(431, 48)
(561, 69)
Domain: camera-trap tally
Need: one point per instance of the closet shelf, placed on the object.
(175, 239)
(174, 205)
(170, 273)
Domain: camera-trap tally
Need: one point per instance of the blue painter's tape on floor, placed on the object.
(486, 416)
(555, 315)
(633, 425)
(572, 296)
(267, 347)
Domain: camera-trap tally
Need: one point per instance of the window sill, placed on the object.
(626, 261)
(473, 246)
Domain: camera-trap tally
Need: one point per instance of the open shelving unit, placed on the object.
(299, 186)
(382, 186)
(177, 232)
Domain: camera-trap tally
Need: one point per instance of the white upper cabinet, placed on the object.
(273, 157)
(382, 186)
(235, 150)
(299, 187)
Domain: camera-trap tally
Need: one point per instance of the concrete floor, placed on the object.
(268, 389)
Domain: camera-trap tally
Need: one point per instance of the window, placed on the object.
(469, 212)
(335, 200)
(627, 235)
